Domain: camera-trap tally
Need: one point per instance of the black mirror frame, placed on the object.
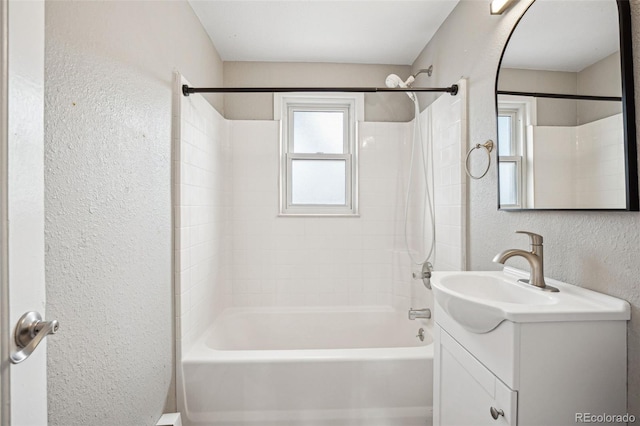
(628, 112)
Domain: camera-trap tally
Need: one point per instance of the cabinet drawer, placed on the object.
(498, 349)
(465, 391)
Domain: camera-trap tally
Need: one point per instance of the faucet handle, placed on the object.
(535, 239)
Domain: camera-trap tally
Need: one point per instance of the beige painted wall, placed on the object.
(108, 91)
(378, 106)
(596, 250)
(550, 112)
(600, 79)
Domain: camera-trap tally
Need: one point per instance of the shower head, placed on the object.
(393, 81)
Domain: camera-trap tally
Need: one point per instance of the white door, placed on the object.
(25, 386)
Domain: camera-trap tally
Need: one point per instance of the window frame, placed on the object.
(523, 115)
(351, 106)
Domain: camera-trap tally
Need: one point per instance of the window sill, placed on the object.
(355, 215)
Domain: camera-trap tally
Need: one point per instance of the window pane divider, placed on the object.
(318, 156)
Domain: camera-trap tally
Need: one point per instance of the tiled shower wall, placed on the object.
(583, 165)
(202, 196)
(232, 248)
(449, 132)
(444, 125)
(303, 261)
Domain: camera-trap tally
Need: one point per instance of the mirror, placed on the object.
(565, 109)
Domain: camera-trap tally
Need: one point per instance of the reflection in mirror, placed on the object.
(563, 141)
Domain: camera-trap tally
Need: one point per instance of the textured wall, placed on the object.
(596, 250)
(108, 203)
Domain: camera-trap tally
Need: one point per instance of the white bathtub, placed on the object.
(310, 367)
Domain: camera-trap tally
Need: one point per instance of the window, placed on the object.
(516, 119)
(318, 164)
(510, 161)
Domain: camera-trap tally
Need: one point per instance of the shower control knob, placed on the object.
(496, 412)
(424, 274)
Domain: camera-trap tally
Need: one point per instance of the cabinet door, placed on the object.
(465, 391)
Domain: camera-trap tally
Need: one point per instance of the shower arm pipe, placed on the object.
(186, 90)
(428, 71)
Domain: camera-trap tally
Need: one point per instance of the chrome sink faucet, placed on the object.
(535, 259)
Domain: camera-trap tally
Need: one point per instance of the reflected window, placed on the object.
(511, 147)
(506, 137)
(509, 182)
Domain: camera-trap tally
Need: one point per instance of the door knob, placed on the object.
(29, 332)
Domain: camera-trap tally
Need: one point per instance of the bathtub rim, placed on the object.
(200, 352)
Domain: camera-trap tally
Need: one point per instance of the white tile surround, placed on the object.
(298, 261)
(600, 179)
(202, 196)
(581, 166)
(449, 127)
(232, 248)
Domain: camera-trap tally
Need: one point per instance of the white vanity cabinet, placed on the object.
(530, 373)
(467, 390)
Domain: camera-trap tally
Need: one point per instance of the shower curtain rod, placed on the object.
(561, 96)
(186, 90)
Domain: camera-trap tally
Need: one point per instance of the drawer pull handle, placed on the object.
(496, 412)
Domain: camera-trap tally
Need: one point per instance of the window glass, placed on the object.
(319, 161)
(320, 182)
(505, 131)
(508, 182)
(318, 132)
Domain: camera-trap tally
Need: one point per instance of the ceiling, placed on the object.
(337, 31)
(567, 35)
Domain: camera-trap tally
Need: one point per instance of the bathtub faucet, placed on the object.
(419, 313)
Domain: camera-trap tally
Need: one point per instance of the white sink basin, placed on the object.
(480, 301)
(493, 288)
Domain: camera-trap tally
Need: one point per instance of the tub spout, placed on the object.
(419, 313)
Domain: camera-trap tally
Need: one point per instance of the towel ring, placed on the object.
(488, 145)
